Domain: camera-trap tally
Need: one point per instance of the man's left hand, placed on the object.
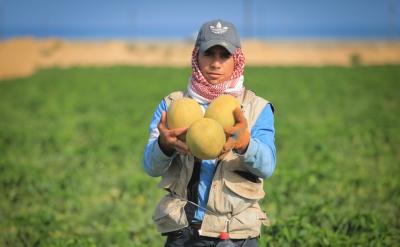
(238, 135)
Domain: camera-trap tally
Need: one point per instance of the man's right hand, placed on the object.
(168, 139)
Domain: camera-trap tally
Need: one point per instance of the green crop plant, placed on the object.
(71, 142)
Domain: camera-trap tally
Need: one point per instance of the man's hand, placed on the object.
(238, 135)
(168, 139)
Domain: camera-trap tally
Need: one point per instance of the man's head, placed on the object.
(216, 42)
(218, 32)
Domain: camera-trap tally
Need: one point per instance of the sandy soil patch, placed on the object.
(23, 56)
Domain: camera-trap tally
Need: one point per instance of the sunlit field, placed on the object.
(71, 142)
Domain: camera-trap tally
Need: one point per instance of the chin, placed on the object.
(215, 82)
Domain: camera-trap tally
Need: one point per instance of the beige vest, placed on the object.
(232, 198)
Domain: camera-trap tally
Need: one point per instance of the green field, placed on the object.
(71, 143)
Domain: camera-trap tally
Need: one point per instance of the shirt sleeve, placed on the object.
(260, 156)
(155, 162)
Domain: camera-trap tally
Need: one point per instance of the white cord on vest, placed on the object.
(197, 205)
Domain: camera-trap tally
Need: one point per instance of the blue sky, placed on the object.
(181, 19)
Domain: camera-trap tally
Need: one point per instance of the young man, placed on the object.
(207, 197)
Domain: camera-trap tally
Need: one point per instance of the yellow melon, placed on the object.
(221, 109)
(205, 139)
(183, 112)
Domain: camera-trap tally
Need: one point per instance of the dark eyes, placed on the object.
(207, 53)
(224, 55)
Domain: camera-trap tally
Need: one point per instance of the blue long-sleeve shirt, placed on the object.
(259, 158)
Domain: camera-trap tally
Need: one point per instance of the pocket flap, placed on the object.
(167, 205)
(243, 187)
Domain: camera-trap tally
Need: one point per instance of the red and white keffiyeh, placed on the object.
(199, 88)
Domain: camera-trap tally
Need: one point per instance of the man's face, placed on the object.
(216, 64)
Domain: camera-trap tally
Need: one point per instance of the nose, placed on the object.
(216, 62)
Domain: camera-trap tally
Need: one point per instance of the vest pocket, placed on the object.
(251, 189)
(170, 214)
(247, 221)
(239, 192)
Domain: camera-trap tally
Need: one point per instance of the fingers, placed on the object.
(243, 142)
(238, 114)
(178, 132)
(180, 146)
(163, 122)
(230, 143)
(222, 155)
(172, 139)
(240, 119)
(240, 122)
(182, 151)
(231, 130)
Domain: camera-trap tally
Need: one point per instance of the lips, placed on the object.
(214, 75)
